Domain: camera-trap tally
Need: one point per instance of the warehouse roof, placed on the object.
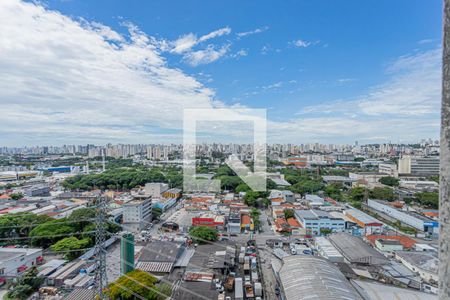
(161, 251)
(362, 217)
(309, 277)
(81, 294)
(374, 290)
(355, 250)
(424, 260)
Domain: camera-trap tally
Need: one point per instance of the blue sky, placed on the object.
(327, 71)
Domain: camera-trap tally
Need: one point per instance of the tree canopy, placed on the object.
(390, 181)
(20, 224)
(428, 199)
(122, 179)
(140, 283)
(203, 234)
(383, 193)
(289, 213)
(71, 246)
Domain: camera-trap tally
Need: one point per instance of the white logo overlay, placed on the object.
(255, 179)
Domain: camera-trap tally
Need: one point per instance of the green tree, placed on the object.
(334, 191)
(243, 187)
(434, 178)
(20, 224)
(50, 232)
(82, 217)
(270, 184)
(255, 214)
(325, 231)
(202, 234)
(16, 196)
(224, 170)
(383, 193)
(156, 212)
(136, 282)
(70, 245)
(119, 178)
(357, 193)
(230, 183)
(21, 292)
(390, 181)
(428, 199)
(289, 213)
(250, 198)
(307, 187)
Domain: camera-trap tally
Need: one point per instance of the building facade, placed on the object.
(137, 214)
(316, 220)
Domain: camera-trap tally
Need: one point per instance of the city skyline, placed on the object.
(123, 73)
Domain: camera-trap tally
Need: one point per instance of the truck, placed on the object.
(229, 283)
(247, 268)
(249, 293)
(238, 289)
(258, 289)
(241, 258)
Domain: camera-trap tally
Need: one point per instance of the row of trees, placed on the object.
(119, 178)
(64, 235)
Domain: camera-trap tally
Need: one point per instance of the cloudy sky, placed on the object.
(81, 71)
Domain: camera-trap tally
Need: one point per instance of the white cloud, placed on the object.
(272, 86)
(78, 81)
(405, 107)
(251, 32)
(240, 53)
(425, 41)
(205, 56)
(67, 81)
(301, 43)
(186, 42)
(214, 34)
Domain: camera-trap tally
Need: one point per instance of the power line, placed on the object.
(55, 223)
(162, 279)
(45, 236)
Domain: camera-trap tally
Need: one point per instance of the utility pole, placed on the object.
(444, 192)
(100, 280)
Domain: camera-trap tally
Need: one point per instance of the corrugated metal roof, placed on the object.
(155, 267)
(308, 277)
(373, 290)
(361, 216)
(81, 294)
(355, 250)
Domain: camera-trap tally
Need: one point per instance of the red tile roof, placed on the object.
(294, 223)
(407, 242)
(246, 219)
(431, 213)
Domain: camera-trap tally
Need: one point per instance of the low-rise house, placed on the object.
(15, 261)
(388, 246)
(426, 264)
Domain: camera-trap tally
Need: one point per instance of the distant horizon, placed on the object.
(224, 143)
